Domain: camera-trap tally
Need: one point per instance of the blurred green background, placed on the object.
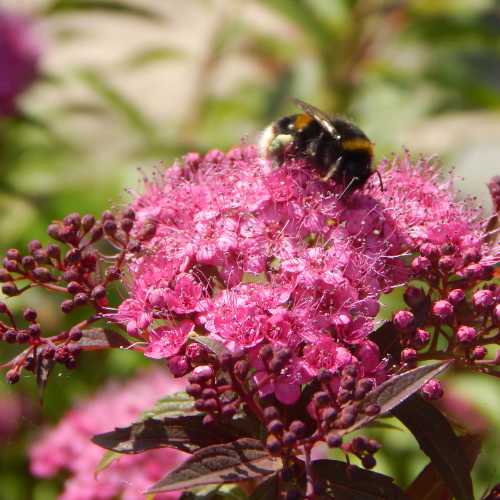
(125, 84)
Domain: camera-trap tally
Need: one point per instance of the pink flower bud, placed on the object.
(409, 356)
(178, 366)
(483, 300)
(479, 352)
(421, 337)
(421, 265)
(203, 372)
(404, 320)
(429, 250)
(414, 296)
(442, 309)
(466, 334)
(432, 389)
(456, 296)
(446, 263)
(496, 313)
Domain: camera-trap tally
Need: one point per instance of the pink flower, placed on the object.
(426, 207)
(165, 341)
(68, 446)
(19, 57)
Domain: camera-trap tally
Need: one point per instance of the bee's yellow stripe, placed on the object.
(358, 144)
(302, 121)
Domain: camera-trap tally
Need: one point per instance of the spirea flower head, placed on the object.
(248, 254)
(67, 447)
(19, 57)
(431, 218)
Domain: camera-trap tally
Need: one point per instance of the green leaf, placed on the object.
(111, 6)
(397, 389)
(107, 459)
(173, 405)
(186, 433)
(438, 441)
(240, 460)
(348, 482)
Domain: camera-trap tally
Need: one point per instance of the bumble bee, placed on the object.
(337, 148)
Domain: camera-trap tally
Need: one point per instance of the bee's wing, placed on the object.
(322, 118)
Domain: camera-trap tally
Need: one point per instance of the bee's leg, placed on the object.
(380, 180)
(332, 170)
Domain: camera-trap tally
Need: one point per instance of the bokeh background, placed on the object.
(123, 85)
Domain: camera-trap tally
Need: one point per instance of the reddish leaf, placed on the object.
(98, 338)
(240, 460)
(429, 485)
(438, 441)
(394, 391)
(348, 482)
(186, 433)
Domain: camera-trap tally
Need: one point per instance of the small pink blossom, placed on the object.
(165, 341)
(68, 447)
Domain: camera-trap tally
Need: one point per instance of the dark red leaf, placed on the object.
(394, 391)
(186, 433)
(438, 441)
(348, 482)
(240, 460)
(430, 486)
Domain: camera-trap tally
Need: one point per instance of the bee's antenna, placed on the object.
(380, 180)
(346, 189)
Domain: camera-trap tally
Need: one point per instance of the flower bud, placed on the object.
(446, 263)
(456, 296)
(404, 320)
(333, 440)
(409, 356)
(421, 265)
(178, 366)
(88, 222)
(432, 389)
(368, 461)
(298, 428)
(12, 376)
(273, 445)
(467, 334)
(483, 300)
(203, 372)
(34, 245)
(421, 337)
(496, 314)
(414, 296)
(13, 254)
(430, 251)
(29, 315)
(479, 352)
(442, 310)
(271, 413)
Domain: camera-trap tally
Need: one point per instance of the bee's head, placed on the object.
(274, 139)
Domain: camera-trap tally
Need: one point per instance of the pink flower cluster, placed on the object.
(68, 447)
(423, 201)
(19, 56)
(248, 254)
